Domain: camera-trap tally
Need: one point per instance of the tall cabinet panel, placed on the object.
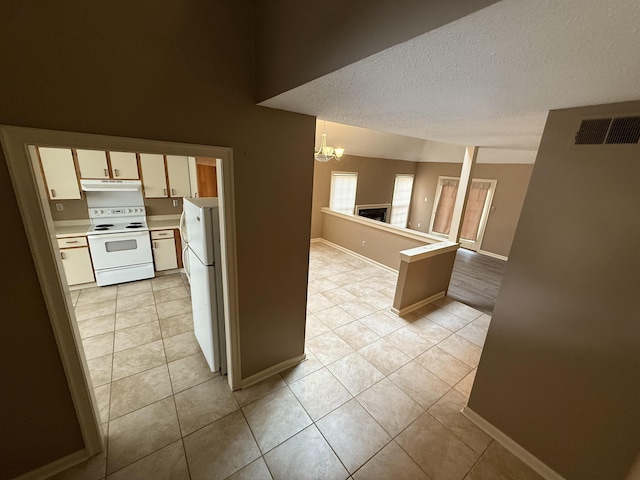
(92, 164)
(178, 170)
(59, 173)
(153, 175)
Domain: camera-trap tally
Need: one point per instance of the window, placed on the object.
(401, 200)
(343, 192)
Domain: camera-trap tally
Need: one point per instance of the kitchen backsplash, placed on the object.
(78, 210)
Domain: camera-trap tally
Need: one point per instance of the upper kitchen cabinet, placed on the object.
(59, 173)
(179, 180)
(124, 166)
(154, 178)
(93, 164)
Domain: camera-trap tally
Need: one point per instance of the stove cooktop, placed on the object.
(117, 227)
(107, 220)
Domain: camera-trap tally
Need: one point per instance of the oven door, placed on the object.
(113, 250)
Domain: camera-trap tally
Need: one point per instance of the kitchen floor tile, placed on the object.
(391, 463)
(318, 302)
(103, 396)
(131, 318)
(138, 335)
(174, 307)
(89, 296)
(353, 434)
(382, 323)
(166, 281)
(465, 385)
(98, 346)
(95, 309)
(220, 449)
(473, 333)
(338, 295)
(100, 370)
(97, 326)
(181, 345)
(139, 390)
(189, 371)
(204, 404)
(355, 373)
(409, 343)
(448, 320)
(139, 433)
(171, 326)
(275, 418)
(130, 302)
(92, 469)
(168, 294)
(438, 451)
(137, 359)
(358, 308)
(304, 368)
(432, 332)
(393, 409)
(168, 463)
(320, 393)
(462, 310)
(134, 288)
(75, 294)
(462, 349)
(334, 317)
(306, 456)
(483, 321)
(314, 327)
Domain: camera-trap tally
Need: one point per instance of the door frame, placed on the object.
(28, 184)
(484, 218)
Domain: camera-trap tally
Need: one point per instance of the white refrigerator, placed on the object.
(200, 232)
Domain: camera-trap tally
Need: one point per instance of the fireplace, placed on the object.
(379, 212)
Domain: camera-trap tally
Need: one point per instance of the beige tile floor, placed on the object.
(377, 398)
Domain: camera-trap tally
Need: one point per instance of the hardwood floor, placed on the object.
(476, 280)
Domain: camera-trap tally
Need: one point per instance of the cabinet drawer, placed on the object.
(72, 242)
(160, 234)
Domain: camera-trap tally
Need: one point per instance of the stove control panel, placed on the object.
(116, 212)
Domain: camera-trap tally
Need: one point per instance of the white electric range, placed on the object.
(119, 237)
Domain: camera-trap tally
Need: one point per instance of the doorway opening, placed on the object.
(35, 206)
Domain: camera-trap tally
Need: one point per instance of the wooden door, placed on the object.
(207, 180)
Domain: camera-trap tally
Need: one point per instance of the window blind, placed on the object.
(401, 200)
(343, 192)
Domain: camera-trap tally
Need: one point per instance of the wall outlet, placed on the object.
(425, 199)
(59, 207)
(175, 203)
(363, 243)
(419, 224)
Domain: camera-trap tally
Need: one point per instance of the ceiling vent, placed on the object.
(601, 131)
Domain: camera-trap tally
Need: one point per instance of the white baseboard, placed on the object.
(518, 450)
(494, 255)
(417, 305)
(56, 466)
(277, 368)
(316, 240)
(357, 255)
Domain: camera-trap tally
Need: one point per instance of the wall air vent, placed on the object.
(609, 131)
(624, 130)
(593, 132)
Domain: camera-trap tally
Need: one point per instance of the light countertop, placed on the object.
(79, 228)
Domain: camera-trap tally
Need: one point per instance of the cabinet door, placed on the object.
(77, 265)
(124, 166)
(154, 179)
(164, 254)
(93, 164)
(59, 173)
(178, 170)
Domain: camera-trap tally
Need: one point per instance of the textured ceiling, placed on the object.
(490, 78)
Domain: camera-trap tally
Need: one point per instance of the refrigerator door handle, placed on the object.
(185, 264)
(183, 230)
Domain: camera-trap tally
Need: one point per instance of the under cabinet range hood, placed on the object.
(111, 185)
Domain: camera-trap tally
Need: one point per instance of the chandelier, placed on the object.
(325, 153)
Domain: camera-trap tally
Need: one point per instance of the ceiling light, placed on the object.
(326, 153)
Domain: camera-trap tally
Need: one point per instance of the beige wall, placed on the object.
(559, 370)
(376, 177)
(381, 246)
(78, 210)
(171, 71)
(513, 180)
(303, 40)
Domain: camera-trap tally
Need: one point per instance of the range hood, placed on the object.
(111, 185)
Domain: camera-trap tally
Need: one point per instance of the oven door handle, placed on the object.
(116, 236)
(185, 264)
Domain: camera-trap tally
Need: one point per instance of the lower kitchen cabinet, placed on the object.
(164, 250)
(76, 260)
